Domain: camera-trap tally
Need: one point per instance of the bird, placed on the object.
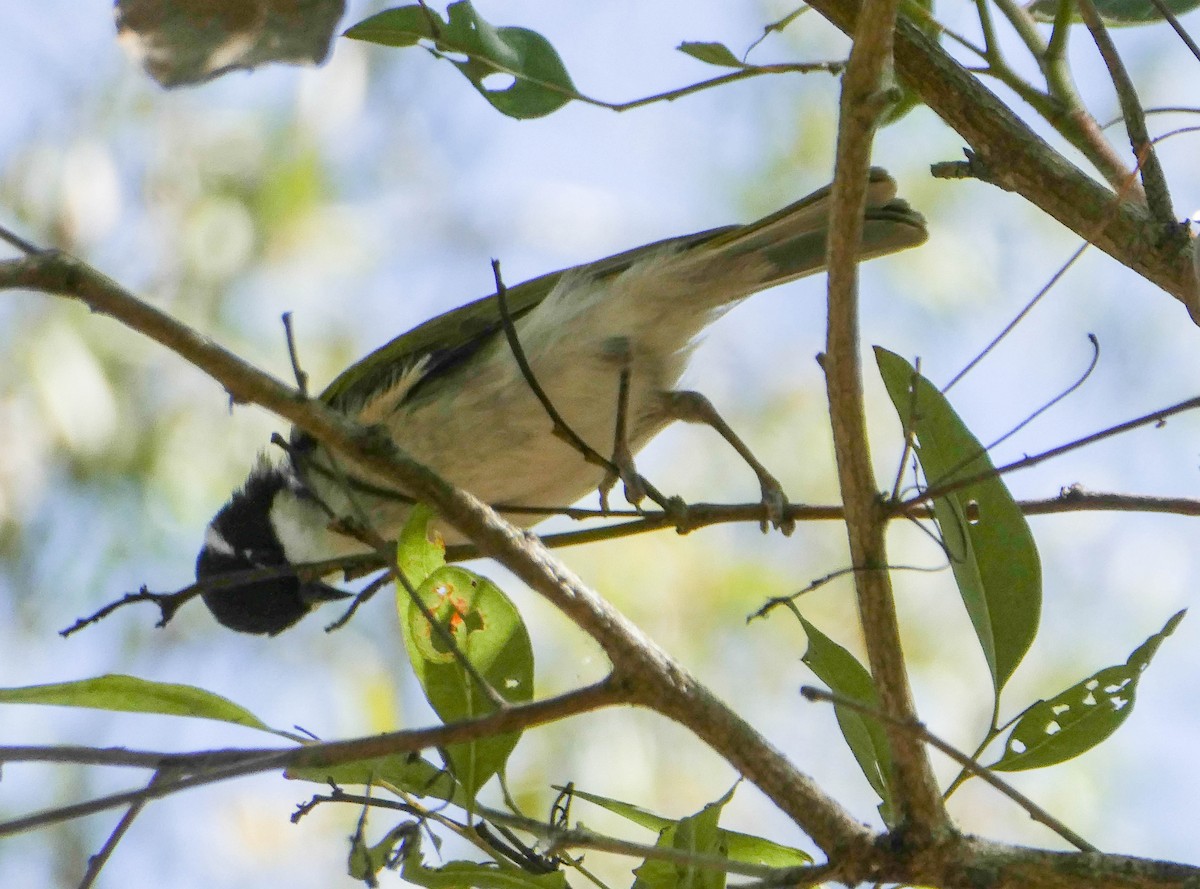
(605, 343)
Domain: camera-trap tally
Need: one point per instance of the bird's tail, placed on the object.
(791, 242)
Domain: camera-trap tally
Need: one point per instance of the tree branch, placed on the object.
(865, 95)
(1019, 160)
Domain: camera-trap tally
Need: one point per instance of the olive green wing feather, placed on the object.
(455, 334)
(791, 239)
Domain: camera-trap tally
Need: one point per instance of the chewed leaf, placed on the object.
(988, 542)
(416, 555)
(475, 617)
(128, 694)
(1077, 719)
(517, 70)
(841, 671)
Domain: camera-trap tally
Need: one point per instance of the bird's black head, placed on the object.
(243, 538)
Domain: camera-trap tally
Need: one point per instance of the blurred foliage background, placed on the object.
(367, 195)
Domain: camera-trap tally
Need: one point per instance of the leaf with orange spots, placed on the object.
(478, 619)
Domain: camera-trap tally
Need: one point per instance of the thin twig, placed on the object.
(1167, 13)
(918, 730)
(1156, 417)
(1020, 316)
(12, 238)
(1154, 180)
(294, 355)
(561, 427)
(1083, 377)
(96, 862)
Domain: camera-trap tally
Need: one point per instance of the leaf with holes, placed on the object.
(416, 554)
(841, 671)
(483, 624)
(1076, 720)
(988, 542)
(1116, 12)
(536, 82)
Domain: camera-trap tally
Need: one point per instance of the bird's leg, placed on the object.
(637, 487)
(692, 407)
(622, 456)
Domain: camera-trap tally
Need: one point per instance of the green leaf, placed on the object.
(1076, 720)
(1116, 12)
(416, 554)
(403, 26)
(696, 834)
(404, 772)
(989, 544)
(539, 84)
(841, 671)
(463, 874)
(367, 861)
(489, 633)
(712, 54)
(128, 694)
(740, 847)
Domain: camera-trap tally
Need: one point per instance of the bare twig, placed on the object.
(1020, 316)
(1154, 180)
(96, 862)
(918, 730)
(1156, 417)
(1166, 12)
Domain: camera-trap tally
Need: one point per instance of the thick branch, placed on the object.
(1019, 160)
(864, 97)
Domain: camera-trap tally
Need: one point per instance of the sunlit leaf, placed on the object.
(713, 54)
(464, 874)
(406, 772)
(365, 861)
(416, 554)
(517, 70)
(841, 671)
(402, 26)
(1077, 719)
(696, 834)
(740, 847)
(987, 539)
(488, 631)
(1116, 12)
(128, 694)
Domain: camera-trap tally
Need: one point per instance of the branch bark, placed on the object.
(1017, 159)
(865, 96)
